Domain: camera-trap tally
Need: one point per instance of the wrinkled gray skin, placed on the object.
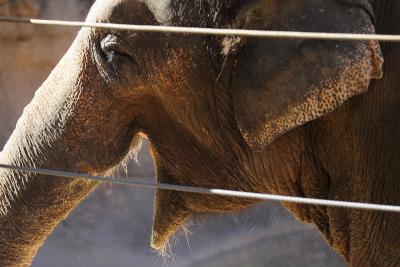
(273, 116)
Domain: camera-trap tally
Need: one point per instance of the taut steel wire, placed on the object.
(209, 31)
(207, 191)
(215, 32)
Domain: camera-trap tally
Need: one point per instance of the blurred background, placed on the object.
(112, 226)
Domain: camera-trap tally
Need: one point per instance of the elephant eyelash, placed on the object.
(112, 55)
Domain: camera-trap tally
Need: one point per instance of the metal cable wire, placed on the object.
(207, 191)
(210, 31)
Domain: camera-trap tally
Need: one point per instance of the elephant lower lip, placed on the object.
(170, 215)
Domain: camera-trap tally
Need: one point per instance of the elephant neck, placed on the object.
(387, 22)
(31, 206)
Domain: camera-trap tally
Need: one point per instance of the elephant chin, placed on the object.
(170, 215)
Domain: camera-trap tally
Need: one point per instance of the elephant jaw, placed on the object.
(170, 214)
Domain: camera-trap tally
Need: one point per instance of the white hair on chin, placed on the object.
(133, 153)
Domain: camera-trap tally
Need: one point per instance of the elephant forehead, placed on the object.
(160, 9)
(130, 11)
(101, 9)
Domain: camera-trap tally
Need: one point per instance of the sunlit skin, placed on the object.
(302, 118)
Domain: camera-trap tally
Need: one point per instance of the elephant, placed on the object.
(308, 118)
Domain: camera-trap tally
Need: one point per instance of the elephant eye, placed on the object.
(114, 47)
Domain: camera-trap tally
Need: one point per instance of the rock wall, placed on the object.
(112, 227)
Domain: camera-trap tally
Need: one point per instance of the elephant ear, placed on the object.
(278, 85)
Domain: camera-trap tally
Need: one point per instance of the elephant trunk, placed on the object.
(31, 206)
(70, 125)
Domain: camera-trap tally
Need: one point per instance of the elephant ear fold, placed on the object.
(278, 85)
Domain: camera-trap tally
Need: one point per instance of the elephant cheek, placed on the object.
(170, 214)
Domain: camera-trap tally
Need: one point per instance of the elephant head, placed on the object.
(219, 112)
